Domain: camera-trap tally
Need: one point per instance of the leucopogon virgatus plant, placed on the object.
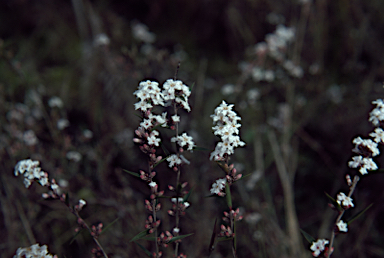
(174, 93)
(365, 150)
(32, 172)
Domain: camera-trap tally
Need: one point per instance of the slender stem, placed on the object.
(351, 190)
(177, 215)
(154, 219)
(76, 213)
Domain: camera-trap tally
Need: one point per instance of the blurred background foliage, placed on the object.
(86, 53)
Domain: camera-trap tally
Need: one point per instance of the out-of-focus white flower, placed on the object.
(62, 123)
(318, 247)
(228, 89)
(101, 39)
(55, 102)
(74, 156)
(87, 133)
(342, 226)
(34, 251)
(30, 138)
(140, 32)
(152, 184)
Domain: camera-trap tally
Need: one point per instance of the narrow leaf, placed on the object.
(160, 162)
(307, 236)
(132, 173)
(224, 239)
(110, 224)
(359, 214)
(334, 202)
(213, 238)
(228, 195)
(140, 235)
(145, 250)
(179, 237)
(185, 198)
(67, 199)
(74, 237)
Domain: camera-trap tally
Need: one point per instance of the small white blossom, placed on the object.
(218, 186)
(30, 170)
(174, 160)
(152, 184)
(378, 135)
(318, 247)
(344, 200)
(175, 118)
(342, 226)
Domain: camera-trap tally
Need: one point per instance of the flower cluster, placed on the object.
(31, 171)
(34, 251)
(368, 148)
(227, 127)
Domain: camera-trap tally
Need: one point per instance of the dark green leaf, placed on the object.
(179, 237)
(142, 234)
(359, 214)
(145, 250)
(307, 236)
(132, 173)
(110, 224)
(185, 198)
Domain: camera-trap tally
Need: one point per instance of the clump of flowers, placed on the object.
(34, 251)
(227, 128)
(31, 171)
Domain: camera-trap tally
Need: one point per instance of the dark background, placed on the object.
(46, 50)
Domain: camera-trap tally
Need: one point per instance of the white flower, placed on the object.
(175, 118)
(152, 140)
(318, 247)
(342, 226)
(378, 135)
(152, 184)
(218, 186)
(344, 200)
(174, 160)
(184, 140)
(146, 123)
